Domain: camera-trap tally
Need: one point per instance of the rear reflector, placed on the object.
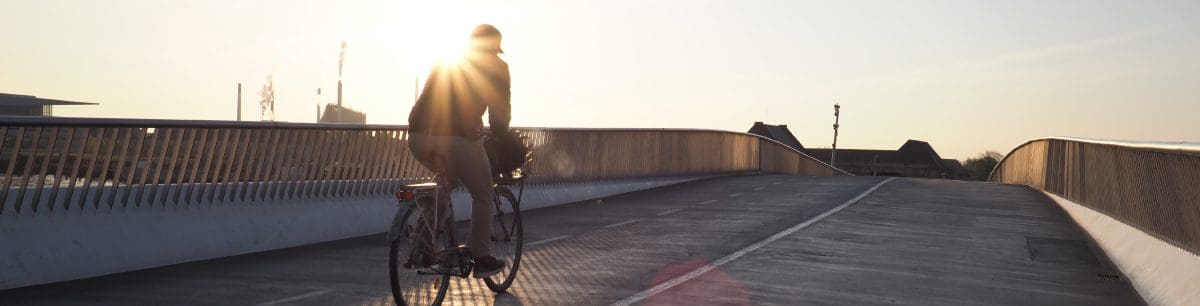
(404, 195)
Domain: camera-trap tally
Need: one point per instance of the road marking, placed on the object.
(706, 202)
(669, 211)
(777, 183)
(735, 195)
(548, 240)
(621, 223)
(296, 298)
(760, 188)
(708, 267)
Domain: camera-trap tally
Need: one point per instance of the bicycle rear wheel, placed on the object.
(507, 239)
(407, 255)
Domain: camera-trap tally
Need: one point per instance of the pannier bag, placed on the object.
(507, 152)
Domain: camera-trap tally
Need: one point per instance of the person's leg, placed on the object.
(471, 166)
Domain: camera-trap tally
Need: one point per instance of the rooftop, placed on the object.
(779, 133)
(26, 100)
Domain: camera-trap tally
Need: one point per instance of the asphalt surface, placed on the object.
(745, 240)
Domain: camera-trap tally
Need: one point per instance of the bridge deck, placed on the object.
(911, 241)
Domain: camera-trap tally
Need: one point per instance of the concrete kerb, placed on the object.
(1163, 274)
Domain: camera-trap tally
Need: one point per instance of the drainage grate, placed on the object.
(1109, 277)
(1053, 250)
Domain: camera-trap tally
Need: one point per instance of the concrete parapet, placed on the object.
(1162, 273)
(65, 245)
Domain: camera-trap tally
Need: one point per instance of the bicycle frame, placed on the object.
(442, 217)
(431, 248)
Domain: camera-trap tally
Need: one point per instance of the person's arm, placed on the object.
(500, 108)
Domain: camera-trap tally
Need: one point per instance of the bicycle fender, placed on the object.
(397, 225)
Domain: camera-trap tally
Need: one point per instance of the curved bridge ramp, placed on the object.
(745, 240)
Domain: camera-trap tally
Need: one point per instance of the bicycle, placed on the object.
(425, 255)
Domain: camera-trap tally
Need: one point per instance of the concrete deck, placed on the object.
(919, 242)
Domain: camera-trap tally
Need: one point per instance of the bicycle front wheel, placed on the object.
(507, 239)
(414, 249)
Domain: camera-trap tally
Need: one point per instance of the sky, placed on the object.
(966, 76)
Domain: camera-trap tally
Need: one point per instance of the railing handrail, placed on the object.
(1159, 146)
(687, 130)
(131, 122)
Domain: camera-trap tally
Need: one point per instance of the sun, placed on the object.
(440, 33)
(440, 47)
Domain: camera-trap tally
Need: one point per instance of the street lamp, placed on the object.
(837, 110)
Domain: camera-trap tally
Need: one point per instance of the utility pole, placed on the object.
(341, 62)
(239, 106)
(875, 165)
(837, 111)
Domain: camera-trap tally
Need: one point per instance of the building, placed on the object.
(22, 105)
(778, 133)
(913, 159)
(337, 114)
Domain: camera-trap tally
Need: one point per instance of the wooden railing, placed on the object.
(1154, 187)
(74, 163)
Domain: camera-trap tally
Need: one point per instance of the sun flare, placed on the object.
(441, 34)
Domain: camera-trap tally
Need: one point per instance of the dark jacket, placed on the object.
(456, 95)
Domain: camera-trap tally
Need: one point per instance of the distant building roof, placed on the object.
(952, 163)
(922, 147)
(333, 113)
(778, 133)
(867, 157)
(29, 101)
(913, 159)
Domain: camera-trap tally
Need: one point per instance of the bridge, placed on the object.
(152, 212)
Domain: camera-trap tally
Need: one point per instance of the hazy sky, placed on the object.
(966, 76)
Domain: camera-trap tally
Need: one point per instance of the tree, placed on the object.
(268, 98)
(981, 165)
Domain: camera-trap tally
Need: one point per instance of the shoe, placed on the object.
(486, 266)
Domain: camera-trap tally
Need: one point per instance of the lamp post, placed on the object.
(239, 106)
(837, 109)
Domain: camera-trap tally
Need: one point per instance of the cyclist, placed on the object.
(444, 127)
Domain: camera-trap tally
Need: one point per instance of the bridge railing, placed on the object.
(1154, 187)
(53, 164)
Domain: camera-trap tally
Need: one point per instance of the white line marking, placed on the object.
(548, 240)
(735, 195)
(621, 223)
(669, 211)
(705, 268)
(296, 298)
(777, 183)
(706, 202)
(760, 188)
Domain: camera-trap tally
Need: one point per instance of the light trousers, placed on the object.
(464, 160)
